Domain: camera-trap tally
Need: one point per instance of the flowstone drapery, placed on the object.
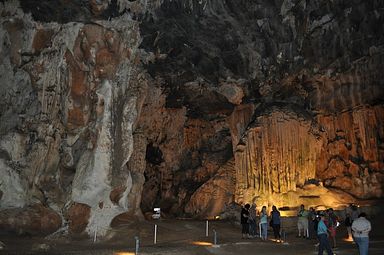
(276, 154)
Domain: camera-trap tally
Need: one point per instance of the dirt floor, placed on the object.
(186, 237)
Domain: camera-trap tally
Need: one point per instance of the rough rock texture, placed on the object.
(181, 154)
(78, 217)
(332, 83)
(110, 108)
(352, 159)
(32, 220)
(303, 65)
(215, 194)
(70, 134)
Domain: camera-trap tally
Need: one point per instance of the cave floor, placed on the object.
(186, 237)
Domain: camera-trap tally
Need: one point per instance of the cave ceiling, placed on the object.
(272, 42)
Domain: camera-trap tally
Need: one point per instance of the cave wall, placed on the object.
(71, 95)
(182, 153)
(352, 159)
(326, 72)
(111, 108)
(313, 62)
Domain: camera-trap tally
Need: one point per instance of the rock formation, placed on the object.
(352, 159)
(67, 132)
(277, 154)
(111, 108)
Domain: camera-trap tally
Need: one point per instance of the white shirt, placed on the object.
(361, 227)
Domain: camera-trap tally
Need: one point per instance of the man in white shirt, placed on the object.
(360, 228)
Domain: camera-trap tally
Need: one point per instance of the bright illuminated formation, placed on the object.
(276, 155)
(281, 152)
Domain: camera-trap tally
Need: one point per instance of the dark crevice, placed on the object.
(154, 155)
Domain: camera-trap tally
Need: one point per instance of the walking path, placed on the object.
(182, 237)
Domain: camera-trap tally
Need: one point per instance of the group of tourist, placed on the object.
(249, 218)
(308, 220)
(311, 224)
(324, 224)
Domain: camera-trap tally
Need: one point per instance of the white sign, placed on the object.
(156, 213)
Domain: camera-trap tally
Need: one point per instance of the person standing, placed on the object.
(275, 218)
(322, 234)
(264, 223)
(311, 223)
(244, 217)
(348, 224)
(252, 220)
(332, 225)
(302, 222)
(360, 229)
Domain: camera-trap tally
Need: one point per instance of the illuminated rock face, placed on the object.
(281, 151)
(277, 154)
(352, 160)
(337, 140)
(333, 130)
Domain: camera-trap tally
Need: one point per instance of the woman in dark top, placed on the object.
(244, 221)
(275, 218)
(348, 223)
